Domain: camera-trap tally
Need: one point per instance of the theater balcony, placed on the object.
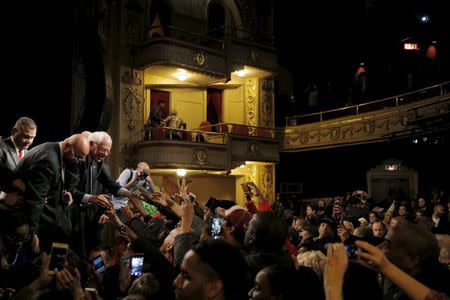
(403, 116)
(228, 147)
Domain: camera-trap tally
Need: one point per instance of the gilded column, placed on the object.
(266, 112)
(267, 181)
(132, 101)
(251, 104)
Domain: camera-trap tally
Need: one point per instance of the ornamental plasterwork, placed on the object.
(267, 186)
(200, 60)
(251, 173)
(200, 156)
(132, 96)
(378, 125)
(266, 107)
(251, 105)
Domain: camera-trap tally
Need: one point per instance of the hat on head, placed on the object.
(328, 221)
(236, 215)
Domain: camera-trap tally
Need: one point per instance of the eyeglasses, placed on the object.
(18, 238)
(78, 158)
(103, 150)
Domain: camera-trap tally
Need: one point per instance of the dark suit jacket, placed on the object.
(41, 170)
(8, 154)
(78, 178)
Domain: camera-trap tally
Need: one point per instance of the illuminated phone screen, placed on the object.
(137, 263)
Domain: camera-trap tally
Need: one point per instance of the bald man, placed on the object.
(42, 171)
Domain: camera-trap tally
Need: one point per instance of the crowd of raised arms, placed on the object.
(68, 230)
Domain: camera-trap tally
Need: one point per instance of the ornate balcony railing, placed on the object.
(354, 110)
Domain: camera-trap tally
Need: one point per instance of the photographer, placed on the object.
(132, 180)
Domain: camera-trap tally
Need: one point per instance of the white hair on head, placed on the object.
(100, 137)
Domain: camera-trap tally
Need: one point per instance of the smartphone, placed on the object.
(215, 227)
(99, 264)
(58, 257)
(352, 251)
(137, 265)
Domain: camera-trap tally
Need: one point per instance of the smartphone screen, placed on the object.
(215, 227)
(58, 256)
(99, 264)
(136, 265)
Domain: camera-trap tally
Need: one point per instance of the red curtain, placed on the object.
(214, 106)
(156, 96)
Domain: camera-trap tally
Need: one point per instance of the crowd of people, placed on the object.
(63, 192)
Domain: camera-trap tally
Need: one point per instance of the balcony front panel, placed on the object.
(379, 125)
(181, 154)
(167, 51)
(260, 57)
(253, 149)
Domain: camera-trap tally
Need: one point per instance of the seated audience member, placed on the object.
(212, 270)
(174, 122)
(440, 223)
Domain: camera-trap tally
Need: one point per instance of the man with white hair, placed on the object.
(90, 179)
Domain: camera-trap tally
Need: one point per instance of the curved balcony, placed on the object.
(222, 146)
(390, 118)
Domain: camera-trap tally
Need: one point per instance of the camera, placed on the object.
(143, 175)
(352, 251)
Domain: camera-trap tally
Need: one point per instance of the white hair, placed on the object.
(100, 137)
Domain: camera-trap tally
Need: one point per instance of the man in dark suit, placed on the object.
(12, 149)
(42, 170)
(90, 179)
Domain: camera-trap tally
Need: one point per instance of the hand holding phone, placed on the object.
(136, 265)
(352, 251)
(58, 257)
(99, 264)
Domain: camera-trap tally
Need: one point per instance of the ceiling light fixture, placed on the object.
(182, 75)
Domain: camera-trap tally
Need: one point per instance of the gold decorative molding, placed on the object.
(132, 96)
(266, 98)
(267, 181)
(252, 173)
(200, 156)
(201, 59)
(368, 127)
(251, 104)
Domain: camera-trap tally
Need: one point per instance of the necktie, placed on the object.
(21, 152)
